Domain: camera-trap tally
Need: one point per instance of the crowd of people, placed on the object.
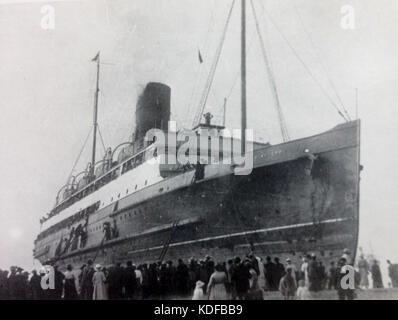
(235, 279)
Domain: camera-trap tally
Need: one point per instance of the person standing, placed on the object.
(279, 272)
(99, 288)
(290, 265)
(218, 282)
(332, 276)
(343, 293)
(78, 278)
(363, 267)
(35, 286)
(4, 289)
(302, 291)
(115, 282)
(304, 270)
(87, 281)
(181, 278)
(69, 284)
(313, 274)
(140, 279)
(59, 283)
(153, 283)
(393, 273)
(376, 275)
(269, 273)
(287, 285)
(241, 279)
(12, 284)
(198, 292)
(130, 281)
(254, 293)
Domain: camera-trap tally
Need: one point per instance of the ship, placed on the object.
(300, 196)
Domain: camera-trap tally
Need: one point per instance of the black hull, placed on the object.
(286, 207)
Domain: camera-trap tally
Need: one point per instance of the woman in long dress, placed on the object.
(99, 280)
(218, 282)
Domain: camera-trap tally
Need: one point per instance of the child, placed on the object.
(287, 285)
(198, 292)
(302, 291)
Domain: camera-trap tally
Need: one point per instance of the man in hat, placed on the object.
(12, 283)
(270, 272)
(181, 278)
(130, 280)
(241, 279)
(87, 281)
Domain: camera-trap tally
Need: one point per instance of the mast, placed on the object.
(95, 122)
(243, 79)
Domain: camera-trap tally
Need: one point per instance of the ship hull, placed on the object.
(293, 203)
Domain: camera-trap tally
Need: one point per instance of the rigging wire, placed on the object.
(210, 77)
(80, 153)
(102, 140)
(317, 53)
(304, 64)
(271, 78)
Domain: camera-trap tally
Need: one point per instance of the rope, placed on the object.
(317, 52)
(80, 153)
(271, 78)
(210, 77)
(304, 64)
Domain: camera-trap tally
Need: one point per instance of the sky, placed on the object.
(47, 83)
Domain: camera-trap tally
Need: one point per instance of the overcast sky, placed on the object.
(47, 84)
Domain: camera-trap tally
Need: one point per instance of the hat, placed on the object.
(199, 284)
(346, 251)
(98, 267)
(288, 260)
